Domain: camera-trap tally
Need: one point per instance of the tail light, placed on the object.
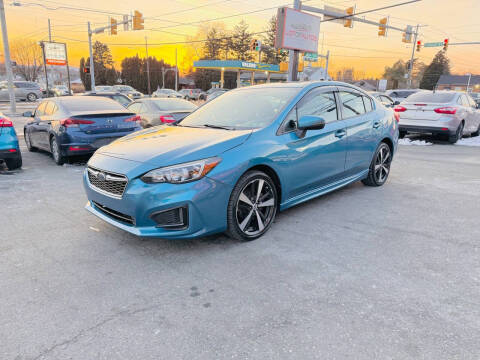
(133, 118)
(396, 115)
(75, 122)
(399, 108)
(446, 110)
(167, 119)
(12, 150)
(4, 122)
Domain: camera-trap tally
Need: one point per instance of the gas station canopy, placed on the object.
(236, 65)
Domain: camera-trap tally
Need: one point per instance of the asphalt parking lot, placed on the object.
(361, 273)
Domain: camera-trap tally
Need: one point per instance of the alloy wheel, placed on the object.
(382, 164)
(256, 207)
(55, 150)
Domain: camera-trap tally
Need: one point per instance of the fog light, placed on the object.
(176, 218)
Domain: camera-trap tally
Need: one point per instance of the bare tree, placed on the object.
(28, 56)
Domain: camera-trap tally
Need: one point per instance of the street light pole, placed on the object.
(411, 59)
(92, 69)
(49, 31)
(468, 84)
(176, 70)
(8, 63)
(148, 67)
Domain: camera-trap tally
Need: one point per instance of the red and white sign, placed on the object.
(297, 30)
(55, 53)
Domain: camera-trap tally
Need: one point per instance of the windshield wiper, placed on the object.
(217, 127)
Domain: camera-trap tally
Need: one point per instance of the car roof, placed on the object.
(104, 93)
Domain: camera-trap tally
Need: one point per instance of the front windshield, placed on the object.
(247, 108)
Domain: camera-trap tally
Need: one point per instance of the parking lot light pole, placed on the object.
(8, 63)
(92, 69)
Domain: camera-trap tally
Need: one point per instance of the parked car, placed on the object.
(127, 90)
(190, 94)
(216, 94)
(103, 88)
(400, 94)
(386, 100)
(157, 111)
(204, 95)
(449, 114)
(61, 90)
(24, 91)
(475, 97)
(77, 125)
(234, 162)
(167, 93)
(9, 147)
(118, 97)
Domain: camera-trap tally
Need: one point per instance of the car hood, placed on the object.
(168, 145)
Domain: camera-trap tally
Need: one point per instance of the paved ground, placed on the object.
(362, 273)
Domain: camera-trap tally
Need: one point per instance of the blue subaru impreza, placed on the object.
(233, 163)
(9, 147)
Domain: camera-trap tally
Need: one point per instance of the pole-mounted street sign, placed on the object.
(433, 44)
(313, 57)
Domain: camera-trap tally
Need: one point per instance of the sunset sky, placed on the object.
(171, 21)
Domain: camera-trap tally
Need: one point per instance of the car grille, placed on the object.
(106, 182)
(115, 214)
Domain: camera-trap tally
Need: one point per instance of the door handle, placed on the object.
(376, 124)
(340, 133)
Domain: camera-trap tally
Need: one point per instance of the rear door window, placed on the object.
(40, 111)
(352, 104)
(50, 108)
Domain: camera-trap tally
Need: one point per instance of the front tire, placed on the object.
(380, 166)
(476, 133)
(56, 153)
(28, 141)
(252, 206)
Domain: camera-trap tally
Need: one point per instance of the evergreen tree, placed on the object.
(440, 65)
(270, 54)
(240, 42)
(213, 46)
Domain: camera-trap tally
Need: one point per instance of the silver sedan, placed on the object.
(449, 114)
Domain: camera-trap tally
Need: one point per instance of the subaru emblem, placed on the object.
(101, 176)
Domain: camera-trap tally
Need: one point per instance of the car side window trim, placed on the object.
(352, 91)
(281, 129)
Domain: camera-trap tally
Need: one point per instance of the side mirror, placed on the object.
(396, 103)
(27, 114)
(310, 122)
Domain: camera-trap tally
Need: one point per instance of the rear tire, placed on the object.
(15, 163)
(452, 139)
(252, 206)
(32, 97)
(380, 166)
(56, 153)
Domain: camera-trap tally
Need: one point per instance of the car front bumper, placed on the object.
(206, 202)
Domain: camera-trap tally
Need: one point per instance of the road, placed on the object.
(361, 273)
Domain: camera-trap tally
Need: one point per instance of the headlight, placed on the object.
(181, 173)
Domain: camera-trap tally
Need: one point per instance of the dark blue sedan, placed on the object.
(77, 125)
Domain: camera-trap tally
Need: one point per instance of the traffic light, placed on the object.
(419, 45)
(113, 26)
(382, 28)
(445, 45)
(86, 69)
(255, 45)
(407, 35)
(138, 21)
(348, 22)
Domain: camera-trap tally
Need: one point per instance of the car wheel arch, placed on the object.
(271, 173)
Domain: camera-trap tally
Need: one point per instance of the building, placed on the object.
(459, 83)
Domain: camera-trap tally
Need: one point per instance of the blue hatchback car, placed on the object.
(9, 147)
(234, 162)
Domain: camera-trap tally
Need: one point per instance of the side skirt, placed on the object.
(323, 190)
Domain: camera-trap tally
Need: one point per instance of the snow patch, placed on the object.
(471, 141)
(409, 142)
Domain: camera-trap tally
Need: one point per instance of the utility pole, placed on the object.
(92, 69)
(326, 64)
(293, 54)
(49, 31)
(468, 84)
(8, 63)
(176, 70)
(411, 59)
(148, 67)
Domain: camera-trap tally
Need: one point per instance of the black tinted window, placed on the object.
(318, 103)
(352, 104)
